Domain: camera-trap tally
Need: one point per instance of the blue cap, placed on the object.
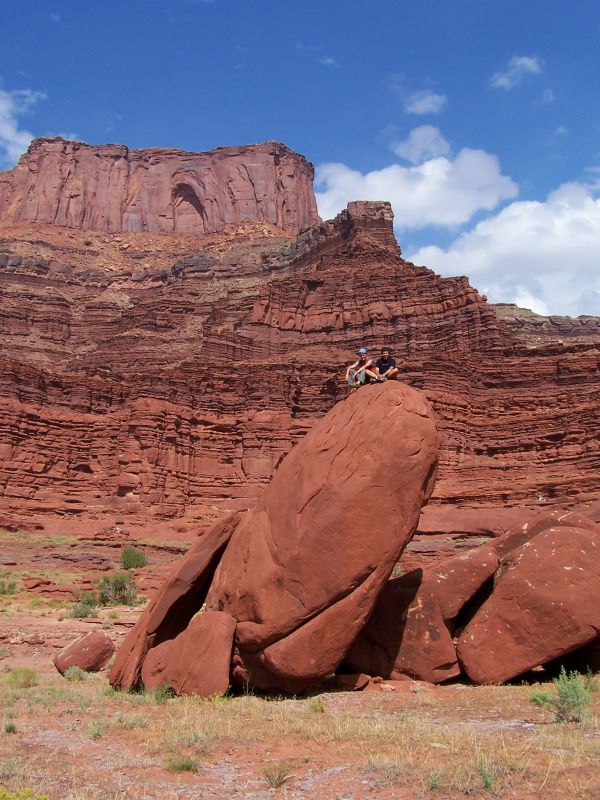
(362, 351)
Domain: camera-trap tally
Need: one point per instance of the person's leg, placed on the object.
(373, 375)
(392, 373)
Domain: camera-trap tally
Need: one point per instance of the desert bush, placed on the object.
(316, 705)
(87, 606)
(10, 727)
(117, 589)
(182, 764)
(8, 586)
(76, 674)
(572, 699)
(160, 695)
(20, 794)
(22, 678)
(277, 774)
(132, 558)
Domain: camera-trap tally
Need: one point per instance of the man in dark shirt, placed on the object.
(386, 365)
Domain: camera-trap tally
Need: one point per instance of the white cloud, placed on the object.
(13, 139)
(515, 72)
(441, 191)
(328, 61)
(425, 102)
(541, 255)
(423, 142)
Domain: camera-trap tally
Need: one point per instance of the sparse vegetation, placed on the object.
(277, 774)
(316, 705)
(86, 607)
(22, 678)
(95, 729)
(160, 695)
(131, 558)
(118, 589)
(20, 794)
(10, 727)
(8, 586)
(182, 764)
(573, 697)
(76, 674)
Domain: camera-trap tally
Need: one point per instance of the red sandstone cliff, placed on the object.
(113, 188)
(144, 376)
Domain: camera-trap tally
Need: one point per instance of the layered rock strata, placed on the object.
(146, 378)
(114, 188)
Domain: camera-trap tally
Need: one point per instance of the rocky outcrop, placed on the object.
(112, 188)
(303, 570)
(493, 613)
(146, 377)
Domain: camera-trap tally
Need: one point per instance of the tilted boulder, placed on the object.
(544, 605)
(182, 596)
(303, 570)
(90, 653)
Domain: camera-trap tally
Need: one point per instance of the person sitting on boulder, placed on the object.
(386, 365)
(361, 371)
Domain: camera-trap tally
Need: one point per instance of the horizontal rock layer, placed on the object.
(144, 376)
(113, 188)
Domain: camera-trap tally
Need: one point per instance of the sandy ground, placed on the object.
(79, 740)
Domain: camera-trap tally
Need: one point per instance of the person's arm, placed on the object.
(367, 365)
(352, 366)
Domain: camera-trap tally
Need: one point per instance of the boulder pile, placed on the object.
(275, 599)
(299, 588)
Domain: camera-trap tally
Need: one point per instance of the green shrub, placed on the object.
(22, 678)
(182, 764)
(161, 695)
(10, 727)
(132, 558)
(316, 705)
(87, 606)
(572, 699)
(7, 586)
(20, 794)
(76, 674)
(117, 589)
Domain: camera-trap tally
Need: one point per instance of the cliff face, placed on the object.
(148, 378)
(113, 188)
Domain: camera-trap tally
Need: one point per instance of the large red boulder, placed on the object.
(544, 605)
(195, 662)
(303, 570)
(181, 596)
(90, 653)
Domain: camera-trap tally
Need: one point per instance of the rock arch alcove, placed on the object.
(189, 215)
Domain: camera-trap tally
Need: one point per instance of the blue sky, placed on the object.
(479, 120)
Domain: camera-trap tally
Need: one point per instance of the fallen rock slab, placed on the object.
(195, 662)
(181, 596)
(544, 605)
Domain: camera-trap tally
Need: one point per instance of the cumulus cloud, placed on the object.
(423, 142)
(540, 255)
(425, 102)
(14, 139)
(515, 72)
(440, 191)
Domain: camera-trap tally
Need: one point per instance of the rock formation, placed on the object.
(112, 188)
(303, 570)
(152, 379)
(526, 599)
(91, 653)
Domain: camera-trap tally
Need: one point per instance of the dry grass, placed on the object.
(456, 740)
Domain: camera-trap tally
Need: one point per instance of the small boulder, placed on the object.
(90, 653)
